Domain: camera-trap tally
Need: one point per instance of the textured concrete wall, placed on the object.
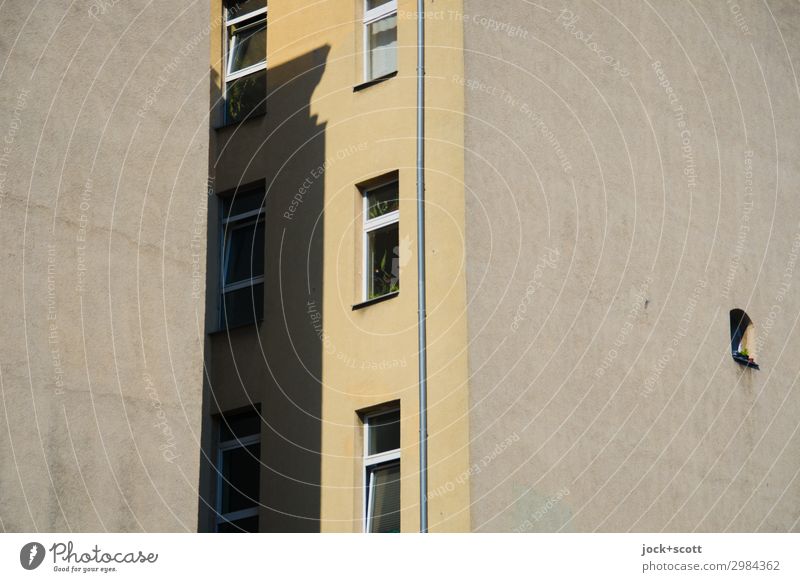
(631, 173)
(102, 224)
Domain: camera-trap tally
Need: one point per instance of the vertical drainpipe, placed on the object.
(421, 312)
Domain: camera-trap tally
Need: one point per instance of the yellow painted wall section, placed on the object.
(370, 355)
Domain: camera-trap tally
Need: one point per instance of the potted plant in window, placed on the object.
(743, 357)
(384, 282)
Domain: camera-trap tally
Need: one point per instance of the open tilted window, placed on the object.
(245, 59)
(382, 472)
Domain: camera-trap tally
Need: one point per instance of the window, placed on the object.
(381, 240)
(238, 468)
(242, 265)
(245, 59)
(743, 341)
(380, 38)
(382, 472)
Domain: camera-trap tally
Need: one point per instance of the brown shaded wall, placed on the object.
(277, 363)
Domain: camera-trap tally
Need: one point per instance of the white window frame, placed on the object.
(372, 462)
(228, 50)
(222, 447)
(241, 220)
(374, 224)
(371, 16)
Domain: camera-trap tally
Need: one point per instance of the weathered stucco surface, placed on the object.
(631, 177)
(102, 226)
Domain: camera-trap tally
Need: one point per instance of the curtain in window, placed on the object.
(385, 511)
(383, 46)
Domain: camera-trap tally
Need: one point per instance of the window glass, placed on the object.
(244, 251)
(241, 7)
(383, 261)
(246, 96)
(375, 3)
(384, 432)
(382, 45)
(245, 525)
(743, 338)
(240, 478)
(739, 324)
(238, 426)
(247, 43)
(243, 306)
(382, 200)
(384, 512)
(241, 202)
(242, 258)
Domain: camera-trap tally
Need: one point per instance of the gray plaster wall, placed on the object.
(103, 174)
(632, 173)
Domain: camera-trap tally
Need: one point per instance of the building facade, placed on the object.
(611, 235)
(331, 145)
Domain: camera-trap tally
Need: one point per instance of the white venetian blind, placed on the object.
(385, 514)
(383, 46)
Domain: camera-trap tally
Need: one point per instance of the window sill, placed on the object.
(374, 81)
(745, 361)
(380, 299)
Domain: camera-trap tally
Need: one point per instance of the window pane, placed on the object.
(382, 200)
(243, 306)
(383, 261)
(241, 7)
(242, 201)
(375, 3)
(246, 96)
(247, 524)
(384, 514)
(247, 42)
(238, 426)
(240, 478)
(384, 432)
(244, 251)
(382, 46)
